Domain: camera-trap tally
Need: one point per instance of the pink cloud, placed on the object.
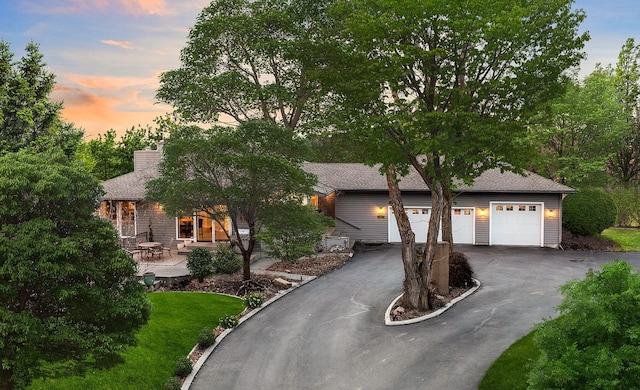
(123, 44)
(132, 7)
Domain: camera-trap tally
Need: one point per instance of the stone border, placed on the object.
(203, 358)
(387, 314)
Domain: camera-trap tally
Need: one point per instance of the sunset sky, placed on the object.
(107, 54)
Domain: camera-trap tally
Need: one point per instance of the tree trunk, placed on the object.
(416, 283)
(447, 226)
(6, 383)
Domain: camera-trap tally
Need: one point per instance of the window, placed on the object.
(425, 211)
(415, 211)
(522, 208)
(510, 207)
(457, 212)
(467, 212)
(532, 208)
(499, 207)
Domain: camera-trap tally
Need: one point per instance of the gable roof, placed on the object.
(357, 177)
(130, 186)
(360, 177)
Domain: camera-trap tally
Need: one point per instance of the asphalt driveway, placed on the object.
(330, 333)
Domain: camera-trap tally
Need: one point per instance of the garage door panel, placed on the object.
(462, 221)
(516, 224)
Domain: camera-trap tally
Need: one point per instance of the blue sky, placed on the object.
(107, 54)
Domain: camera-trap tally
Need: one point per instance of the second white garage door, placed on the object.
(462, 220)
(516, 224)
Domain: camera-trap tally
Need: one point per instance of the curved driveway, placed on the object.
(330, 333)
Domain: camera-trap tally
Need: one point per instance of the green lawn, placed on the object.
(628, 239)
(510, 370)
(172, 331)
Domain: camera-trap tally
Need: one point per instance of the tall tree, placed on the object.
(244, 60)
(447, 89)
(69, 297)
(236, 173)
(28, 117)
(580, 131)
(625, 165)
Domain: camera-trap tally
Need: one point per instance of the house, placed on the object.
(500, 208)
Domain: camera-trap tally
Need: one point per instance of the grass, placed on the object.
(171, 332)
(510, 370)
(628, 239)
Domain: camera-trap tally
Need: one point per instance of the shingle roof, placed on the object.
(130, 186)
(360, 177)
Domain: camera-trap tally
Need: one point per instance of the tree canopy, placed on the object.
(69, 298)
(28, 117)
(448, 89)
(231, 172)
(244, 59)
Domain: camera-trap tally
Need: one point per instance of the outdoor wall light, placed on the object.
(551, 212)
(380, 212)
(483, 212)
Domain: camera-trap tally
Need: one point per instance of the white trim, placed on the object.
(516, 203)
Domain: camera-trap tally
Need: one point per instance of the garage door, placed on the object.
(516, 224)
(462, 220)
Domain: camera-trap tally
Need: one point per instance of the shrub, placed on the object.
(172, 383)
(200, 263)
(226, 261)
(595, 343)
(588, 212)
(206, 338)
(183, 366)
(228, 321)
(292, 230)
(253, 300)
(460, 271)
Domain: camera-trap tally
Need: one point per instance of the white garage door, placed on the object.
(516, 224)
(462, 220)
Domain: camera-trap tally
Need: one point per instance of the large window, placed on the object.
(122, 214)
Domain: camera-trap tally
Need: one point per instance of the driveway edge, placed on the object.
(203, 358)
(387, 314)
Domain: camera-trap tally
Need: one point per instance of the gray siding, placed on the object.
(357, 218)
(164, 226)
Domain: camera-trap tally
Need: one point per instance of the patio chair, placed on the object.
(168, 247)
(156, 251)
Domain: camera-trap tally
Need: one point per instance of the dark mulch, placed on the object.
(581, 243)
(318, 265)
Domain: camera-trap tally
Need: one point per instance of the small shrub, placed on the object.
(228, 321)
(460, 271)
(172, 383)
(588, 212)
(200, 263)
(206, 338)
(226, 261)
(253, 300)
(183, 367)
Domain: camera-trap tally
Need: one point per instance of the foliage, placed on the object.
(625, 165)
(292, 230)
(105, 157)
(253, 300)
(628, 239)
(510, 370)
(246, 60)
(200, 263)
(183, 366)
(206, 338)
(595, 343)
(173, 383)
(172, 331)
(69, 298)
(581, 130)
(627, 201)
(460, 271)
(226, 261)
(228, 321)
(235, 173)
(28, 117)
(447, 90)
(588, 212)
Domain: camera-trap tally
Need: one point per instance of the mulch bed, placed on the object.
(580, 243)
